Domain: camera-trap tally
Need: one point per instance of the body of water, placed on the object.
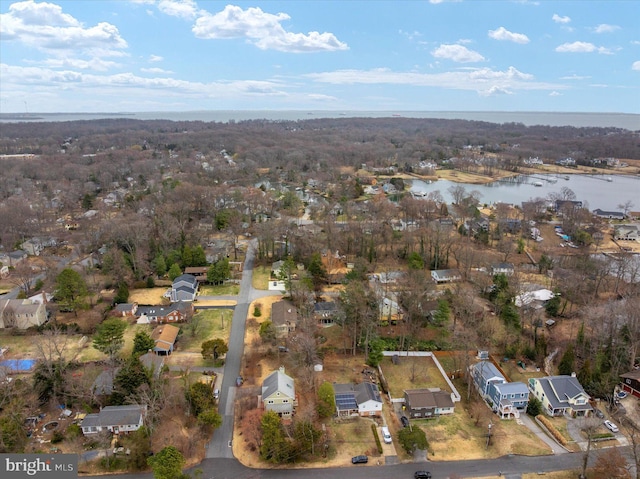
(595, 191)
(627, 121)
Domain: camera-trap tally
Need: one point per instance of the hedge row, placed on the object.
(374, 428)
(552, 429)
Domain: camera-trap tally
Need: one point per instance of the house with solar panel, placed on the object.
(362, 399)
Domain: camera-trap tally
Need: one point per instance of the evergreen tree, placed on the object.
(71, 290)
(567, 362)
(174, 271)
(167, 464)
(142, 343)
(274, 447)
(109, 337)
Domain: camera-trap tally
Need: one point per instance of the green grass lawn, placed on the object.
(261, 276)
(219, 290)
(214, 323)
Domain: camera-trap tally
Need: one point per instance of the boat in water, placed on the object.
(537, 183)
(566, 177)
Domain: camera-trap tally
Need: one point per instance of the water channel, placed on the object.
(595, 191)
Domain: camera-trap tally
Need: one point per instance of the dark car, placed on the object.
(405, 421)
(359, 460)
(599, 413)
(422, 475)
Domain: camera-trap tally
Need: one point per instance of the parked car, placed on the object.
(611, 426)
(598, 413)
(283, 349)
(216, 394)
(239, 381)
(359, 460)
(405, 421)
(386, 435)
(422, 475)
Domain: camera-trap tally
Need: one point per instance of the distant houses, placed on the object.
(445, 275)
(22, 313)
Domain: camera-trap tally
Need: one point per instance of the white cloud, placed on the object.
(576, 47)
(495, 90)
(636, 66)
(575, 77)
(484, 81)
(263, 29)
(558, 19)
(157, 70)
(605, 28)
(187, 9)
(45, 27)
(555, 93)
(155, 58)
(504, 34)
(96, 64)
(457, 53)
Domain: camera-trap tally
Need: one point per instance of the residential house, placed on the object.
(174, 313)
(184, 288)
(126, 310)
(22, 313)
(165, 337)
(626, 233)
(390, 311)
(152, 363)
(427, 402)
(561, 395)
(325, 312)
(103, 384)
(502, 268)
(505, 398)
(567, 205)
(284, 317)
(279, 394)
(115, 419)
(32, 247)
(630, 382)
(200, 272)
(360, 399)
(445, 275)
(510, 225)
(12, 258)
(612, 215)
(4, 271)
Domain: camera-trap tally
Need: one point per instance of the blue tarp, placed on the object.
(18, 365)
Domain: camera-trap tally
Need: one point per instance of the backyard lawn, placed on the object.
(412, 373)
(227, 289)
(148, 296)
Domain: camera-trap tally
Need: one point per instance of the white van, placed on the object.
(216, 394)
(386, 435)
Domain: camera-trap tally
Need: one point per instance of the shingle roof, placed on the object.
(427, 398)
(278, 381)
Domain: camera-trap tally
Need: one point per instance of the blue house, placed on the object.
(505, 399)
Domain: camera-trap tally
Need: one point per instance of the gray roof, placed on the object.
(488, 370)
(559, 389)
(110, 416)
(428, 398)
(278, 381)
(103, 384)
(512, 388)
(367, 391)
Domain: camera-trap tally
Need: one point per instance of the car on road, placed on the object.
(359, 460)
(422, 475)
(405, 421)
(611, 426)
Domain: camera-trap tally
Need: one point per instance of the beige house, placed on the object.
(284, 317)
(21, 313)
(279, 394)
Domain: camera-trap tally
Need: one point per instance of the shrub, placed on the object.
(57, 437)
(413, 439)
(552, 429)
(374, 429)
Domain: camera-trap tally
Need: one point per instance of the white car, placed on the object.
(611, 426)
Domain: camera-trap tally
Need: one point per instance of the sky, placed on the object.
(346, 55)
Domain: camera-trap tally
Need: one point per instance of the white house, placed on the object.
(445, 275)
(360, 399)
(115, 419)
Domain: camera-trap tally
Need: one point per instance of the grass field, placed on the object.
(261, 276)
(214, 323)
(219, 290)
(148, 296)
(412, 373)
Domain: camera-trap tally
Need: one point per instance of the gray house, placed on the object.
(115, 419)
(428, 402)
(184, 288)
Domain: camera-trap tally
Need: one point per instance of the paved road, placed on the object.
(220, 444)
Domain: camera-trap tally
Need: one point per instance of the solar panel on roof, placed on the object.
(346, 401)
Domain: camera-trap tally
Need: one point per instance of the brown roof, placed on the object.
(635, 374)
(429, 398)
(165, 336)
(283, 312)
